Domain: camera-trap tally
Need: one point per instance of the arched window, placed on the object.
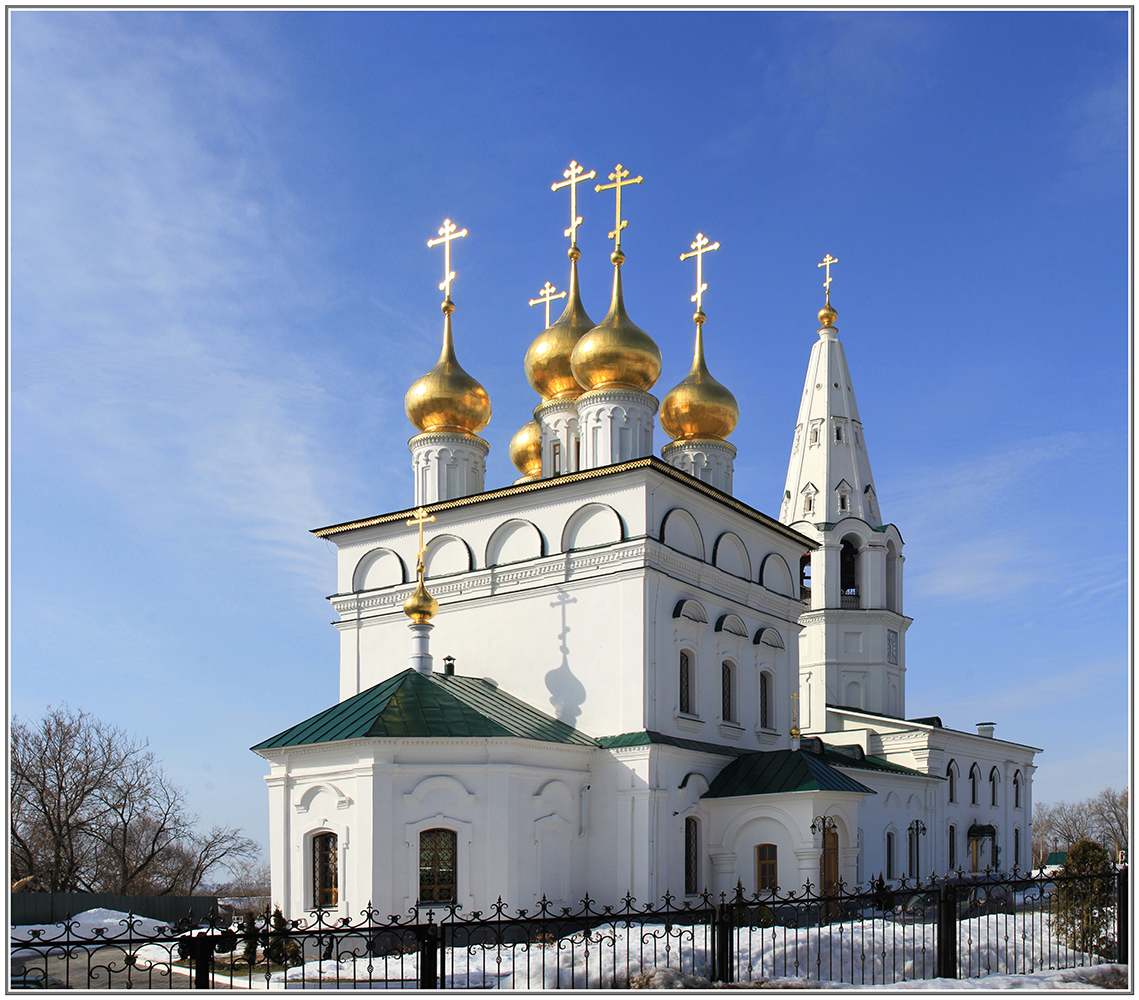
(438, 866)
(805, 577)
(974, 784)
(324, 873)
(685, 683)
(691, 856)
(952, 847)
(890, 854)
(994, 780)
(951, 774)
(727, 685)
(1016, 790)
(848, 574)
(765, 700)
(766, 867)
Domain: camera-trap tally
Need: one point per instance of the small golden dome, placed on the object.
(828, 314)
(447, 398)
(526, 451)
(616, 353)
(421, 606)
(547, 362)
(699, 407)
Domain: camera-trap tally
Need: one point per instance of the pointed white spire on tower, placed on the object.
(829, 477)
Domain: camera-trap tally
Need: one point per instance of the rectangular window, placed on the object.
(691, 856)
(891, 647)
(889, 855)
(556, 458)
(577, 453)
(766, 867)
(764, 718)
(726, 674)
(438, 879)
(952, 848)
(324, 874)
(685, 684)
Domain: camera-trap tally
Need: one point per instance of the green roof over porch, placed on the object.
(416, 705)
(775, 771)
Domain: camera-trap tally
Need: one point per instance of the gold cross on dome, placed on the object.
(794, 712)
(700, 247)
(618, 178)
(574, 176)
(421, 518)
(826, 262)
(548, 296)
(447, 233)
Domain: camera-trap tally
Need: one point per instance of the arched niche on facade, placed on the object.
(775, 575)
(730, 554)
(447, 555)
(513, 541)
(769, 637)
(692, 610)
(379, 568)
(590, 526)
(732, 625)
(680, 531)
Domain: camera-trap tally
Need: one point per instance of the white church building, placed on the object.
(613, 676)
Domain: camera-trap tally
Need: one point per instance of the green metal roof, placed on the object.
(775, 771)
(842, 756)
(412, 704)
(647, 737)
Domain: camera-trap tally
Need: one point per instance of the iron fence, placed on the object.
(956, 925)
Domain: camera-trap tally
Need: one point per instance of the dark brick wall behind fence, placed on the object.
(50, 907)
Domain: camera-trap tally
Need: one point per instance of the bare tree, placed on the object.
(1110, 814)
(1043, 833)
(1072, 821)
(92, 810)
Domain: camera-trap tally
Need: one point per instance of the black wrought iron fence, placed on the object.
(957, 925)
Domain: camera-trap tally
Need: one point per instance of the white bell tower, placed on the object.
(852, 646)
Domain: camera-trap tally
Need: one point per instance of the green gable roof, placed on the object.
(648, 737)
(776, 771)
(842, 756)
(416, 705)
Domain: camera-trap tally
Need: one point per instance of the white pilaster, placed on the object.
(447, 465)
(711, 462)
(561, 442)
(616, 425)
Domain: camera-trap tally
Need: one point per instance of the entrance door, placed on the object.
(975, 853)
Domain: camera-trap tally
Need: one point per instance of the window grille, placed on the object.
(324, 875)
(766, 866)
(764, 717)
(685, 684)
(727, 692)
(438, 868)
(691, 856)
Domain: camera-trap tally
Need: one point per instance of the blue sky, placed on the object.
(220, 291)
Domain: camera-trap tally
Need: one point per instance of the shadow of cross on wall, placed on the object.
(566, 692)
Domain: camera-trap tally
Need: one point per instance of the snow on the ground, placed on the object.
(116, 926)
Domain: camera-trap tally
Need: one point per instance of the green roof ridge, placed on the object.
(772, 772)
(414, 705)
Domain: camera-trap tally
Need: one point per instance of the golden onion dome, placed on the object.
(447, 398)
(547, 361)
(828, 314)
(699, 407)
(420, 606)
(526, 451)
(616, 353)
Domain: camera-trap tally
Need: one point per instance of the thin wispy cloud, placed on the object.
(157, 276)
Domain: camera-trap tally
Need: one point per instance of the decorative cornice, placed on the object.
(561, 482)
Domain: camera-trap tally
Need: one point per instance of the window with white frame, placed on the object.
(325, 879)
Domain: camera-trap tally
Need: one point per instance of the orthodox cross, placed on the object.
(421, 518)
(618, 178)
(794, 704)
(699, 248)
(548, 296)
(826, 262)
(575, 176)
(446, 234)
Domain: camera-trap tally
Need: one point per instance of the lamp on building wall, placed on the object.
(823, 824)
